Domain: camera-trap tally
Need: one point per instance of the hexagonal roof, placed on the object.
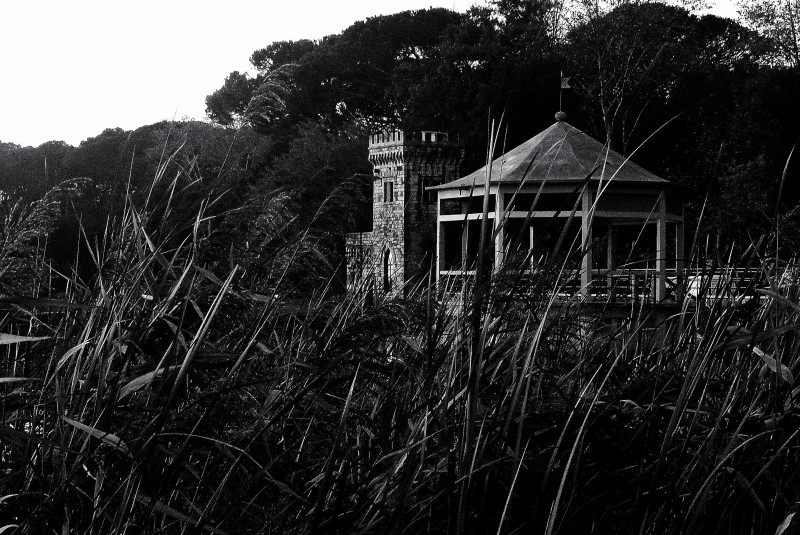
(559, 154)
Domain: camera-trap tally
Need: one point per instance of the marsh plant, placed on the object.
(213, 376)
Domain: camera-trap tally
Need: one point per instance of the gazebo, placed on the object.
(618, 228)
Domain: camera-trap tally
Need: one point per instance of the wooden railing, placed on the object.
(629, 285)
(639, 285)
(622, 285)
(625, 285)
(730, 284)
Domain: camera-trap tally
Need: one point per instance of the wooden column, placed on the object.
(464, 233)
(499, 225)
(679, 245)
(679, 242)
(610, 250)
(586, 241)
(661, 249)
(532, 259)
(439, 256)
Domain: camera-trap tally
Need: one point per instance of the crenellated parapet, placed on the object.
(396, 147)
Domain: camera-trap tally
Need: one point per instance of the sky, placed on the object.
(69, 69)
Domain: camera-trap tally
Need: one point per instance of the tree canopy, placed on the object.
(683, 93)
(708, 102)
(779, 22)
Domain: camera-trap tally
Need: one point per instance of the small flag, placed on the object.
(565, 81)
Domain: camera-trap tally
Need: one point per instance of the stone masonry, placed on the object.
(401, 245)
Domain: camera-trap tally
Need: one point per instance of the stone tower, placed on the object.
(401, 244)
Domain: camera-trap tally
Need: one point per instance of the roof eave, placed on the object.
(556, 182)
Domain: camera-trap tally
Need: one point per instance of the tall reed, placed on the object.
(219, 381)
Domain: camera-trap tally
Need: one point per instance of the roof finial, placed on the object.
(560, 115)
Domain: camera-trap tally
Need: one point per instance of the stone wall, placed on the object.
(431, 159)
(387, 156)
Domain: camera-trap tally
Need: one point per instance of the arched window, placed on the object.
(388, 268)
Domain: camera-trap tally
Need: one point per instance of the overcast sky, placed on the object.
(71, 68)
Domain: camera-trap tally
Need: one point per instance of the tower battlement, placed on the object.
(425, 137)
(395, 147)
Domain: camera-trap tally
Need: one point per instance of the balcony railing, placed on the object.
(619, 285)
(633, 285)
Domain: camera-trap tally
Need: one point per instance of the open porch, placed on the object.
(602, 227)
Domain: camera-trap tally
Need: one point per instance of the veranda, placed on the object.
(613, 231)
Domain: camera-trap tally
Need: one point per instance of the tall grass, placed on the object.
(212, 381)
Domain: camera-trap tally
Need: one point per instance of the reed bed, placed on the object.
(190, 387)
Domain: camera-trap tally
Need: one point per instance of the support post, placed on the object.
(679, 254)
(679, 245)
(586, 241)
(439, 256)
(661, 249)
(531, 242)
(464, 233)
(499, 240)
(610, 250)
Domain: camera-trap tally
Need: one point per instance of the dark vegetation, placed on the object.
(179, 354)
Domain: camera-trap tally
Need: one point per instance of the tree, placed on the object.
(317, 161)
(281, 53)
(742, 210)
(722, 120)
(29, 172)
(628, 63)
(501, 61)
(779, 21)
(227, 104)
(362, 73)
